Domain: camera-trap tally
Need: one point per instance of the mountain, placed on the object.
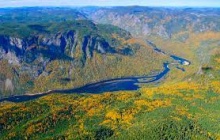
(55, 40)
(163, 22)
(192, 33)
(43, 14)
(76, 46)
(49, 55)
(140, 21)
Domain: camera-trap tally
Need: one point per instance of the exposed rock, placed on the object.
(29, 55)
(17, 42)
(17, 50)
(9, 85)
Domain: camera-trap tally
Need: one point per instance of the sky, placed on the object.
(175, 3)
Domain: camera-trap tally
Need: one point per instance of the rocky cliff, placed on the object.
(30, 51)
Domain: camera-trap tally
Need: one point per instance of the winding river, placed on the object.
(111, 85)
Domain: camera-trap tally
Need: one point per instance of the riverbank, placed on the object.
(110, 85)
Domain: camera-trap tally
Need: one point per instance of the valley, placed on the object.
(111, 85)
(106, 73)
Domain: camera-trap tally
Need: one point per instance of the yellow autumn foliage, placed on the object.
(215, 86)
(125, 117)
(113, 115)
(124, 96)
(176, 90)
(119, 110)
(152, 105)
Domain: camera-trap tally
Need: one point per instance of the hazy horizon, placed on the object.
(108, 3)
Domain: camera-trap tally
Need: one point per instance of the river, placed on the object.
(111, 85)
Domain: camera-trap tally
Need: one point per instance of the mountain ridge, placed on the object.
(37, 50)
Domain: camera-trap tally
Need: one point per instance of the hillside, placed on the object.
(42, 14)
(176, 111)
(56, 55)
(192, 33)
(162, 22)
(181, 31)
(187, 110)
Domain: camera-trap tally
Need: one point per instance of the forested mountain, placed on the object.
(133, 73)
(163, 22)
(41, 55)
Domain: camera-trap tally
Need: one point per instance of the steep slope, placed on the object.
(44, 56)
(89, 52)
(192, 33)
(172, 111)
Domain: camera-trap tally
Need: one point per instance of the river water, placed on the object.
(111, 85)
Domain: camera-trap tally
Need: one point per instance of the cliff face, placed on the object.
(28, 56)
(18, 50)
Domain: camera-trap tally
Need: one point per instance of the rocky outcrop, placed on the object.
(29, 55)
(32, 54)
(17, 50)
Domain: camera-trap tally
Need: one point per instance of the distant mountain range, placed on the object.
(140, 21)
(164, 22)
